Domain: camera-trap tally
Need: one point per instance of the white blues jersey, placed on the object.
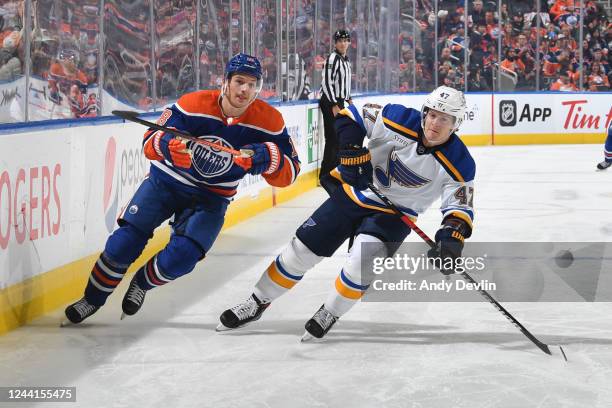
(412, 175)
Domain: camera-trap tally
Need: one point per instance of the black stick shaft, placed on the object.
(133, 117)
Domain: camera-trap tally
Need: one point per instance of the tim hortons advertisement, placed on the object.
(552, 113)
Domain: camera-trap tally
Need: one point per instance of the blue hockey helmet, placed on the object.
(244, 64)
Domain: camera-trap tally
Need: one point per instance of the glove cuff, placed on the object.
(156, 139)
(355, 157)
(275, 158)
(451, 231)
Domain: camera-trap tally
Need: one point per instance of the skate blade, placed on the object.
(66, 323)
(307, 338)
(221, 328)
(123, 315)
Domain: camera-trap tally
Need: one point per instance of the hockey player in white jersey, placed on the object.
(414, 158)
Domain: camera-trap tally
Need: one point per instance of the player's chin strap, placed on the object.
(542, 346)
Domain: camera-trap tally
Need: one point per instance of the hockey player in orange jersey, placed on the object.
(192, 182)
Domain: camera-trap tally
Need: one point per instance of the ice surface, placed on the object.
(380, 354)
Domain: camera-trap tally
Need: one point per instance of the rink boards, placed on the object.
(62, 185)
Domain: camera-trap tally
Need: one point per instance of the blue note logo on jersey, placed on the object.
(208, 161)
(309, 223)
(398, 172)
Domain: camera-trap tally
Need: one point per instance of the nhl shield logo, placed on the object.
(507, 113)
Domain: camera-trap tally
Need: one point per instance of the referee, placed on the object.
(335, 90)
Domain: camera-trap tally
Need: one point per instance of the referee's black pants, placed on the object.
(330, 152)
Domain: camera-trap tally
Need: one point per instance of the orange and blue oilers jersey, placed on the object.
(212, 170)
(412, 175)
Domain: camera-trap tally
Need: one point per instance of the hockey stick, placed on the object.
(542, 346)
(133, 117)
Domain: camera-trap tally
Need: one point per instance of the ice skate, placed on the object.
(603, 165)
(133, 299)
(319, 324)
(78, 311)
(242, 314)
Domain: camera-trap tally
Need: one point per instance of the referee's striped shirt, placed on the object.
(336, 84)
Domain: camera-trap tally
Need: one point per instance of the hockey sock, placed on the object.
(122, 248)
(345, 294)
(285, 271)
(350, 285)
(150, 276)
(104, 278)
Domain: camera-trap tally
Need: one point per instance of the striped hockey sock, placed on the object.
(104, 278)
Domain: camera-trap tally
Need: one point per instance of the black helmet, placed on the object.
(341, 35)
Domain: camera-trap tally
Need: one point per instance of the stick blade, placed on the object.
(555, 350)
(562, 353)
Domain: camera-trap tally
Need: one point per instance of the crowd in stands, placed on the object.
(65, 43)
(516, 27)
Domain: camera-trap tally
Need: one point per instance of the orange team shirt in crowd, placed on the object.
(514, 66)
(558, 85)
(559, 7)
(60, 78)
(551, 68)
(598, 79)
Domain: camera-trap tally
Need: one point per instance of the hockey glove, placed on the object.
(355, 167)
(166, 146)
(266, 159)
(449, 244)
(349, 127)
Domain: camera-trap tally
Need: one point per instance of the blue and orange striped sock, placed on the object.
(104, 278)
(346, 293)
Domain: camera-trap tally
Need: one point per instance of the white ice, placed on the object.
(380, 354)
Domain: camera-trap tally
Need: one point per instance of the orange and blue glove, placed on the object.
(266, 158)
(166, 146)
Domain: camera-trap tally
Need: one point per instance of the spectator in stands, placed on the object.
(512, 63)
(560, 7)
(480, 38)
(520, 7)
(598, 57)
(68, 84)
(10, 63)
(477, 12)
(446, 58)
(597, 79)
(476, 82)
(518, 24)
(563, 84)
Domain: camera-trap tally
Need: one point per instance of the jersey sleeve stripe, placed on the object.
(404, 131)
(448, 166)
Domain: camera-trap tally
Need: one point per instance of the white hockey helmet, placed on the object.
(447, 100)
